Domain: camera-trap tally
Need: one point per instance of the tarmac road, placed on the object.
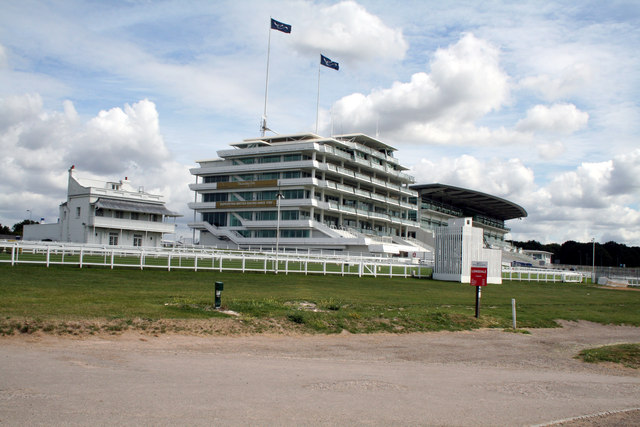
(486, 377)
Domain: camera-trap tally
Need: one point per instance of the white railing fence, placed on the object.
(53, 253)
(543, 275)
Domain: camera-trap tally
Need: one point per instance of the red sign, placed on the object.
(478, 276)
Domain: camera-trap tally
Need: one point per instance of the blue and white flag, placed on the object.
(280, 26)
(329, 63)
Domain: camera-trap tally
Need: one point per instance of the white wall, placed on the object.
(42, 232)
(457, 245)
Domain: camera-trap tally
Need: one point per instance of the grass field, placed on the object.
(624, 354)
(35, 297)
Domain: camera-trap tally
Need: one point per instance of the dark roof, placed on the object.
(130, 206)
(471, 201)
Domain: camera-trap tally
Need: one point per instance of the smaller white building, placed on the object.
(107, 213)
(541, 258)
(459, 244)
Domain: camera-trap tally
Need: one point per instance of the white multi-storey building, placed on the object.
(344, 192)
(107, 213)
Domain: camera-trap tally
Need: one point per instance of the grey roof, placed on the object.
(131, 206)
(471, 201)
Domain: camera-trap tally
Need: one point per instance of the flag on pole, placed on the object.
(329, 63)
(280, 26)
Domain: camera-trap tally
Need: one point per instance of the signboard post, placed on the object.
(478, 279)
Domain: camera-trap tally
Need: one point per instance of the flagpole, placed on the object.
(263, 126)
(318, 98)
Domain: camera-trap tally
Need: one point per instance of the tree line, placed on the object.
(610, 254)
(16, 230)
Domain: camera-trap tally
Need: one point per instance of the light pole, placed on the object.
(278, 197)
(593, 261)
(29, 210)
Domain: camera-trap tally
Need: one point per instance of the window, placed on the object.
(247, 160)
(235, 218)
(219, 219)
(290, 174)
(289, 215)
(292, 157)
(244, 177)
(214, 197)
(118, 214)
(137, 240)
(266, 216)
(265, 233)
(267, 195)
(294, 233)
(244, 233)
(268, 175)
(294, 194)
(78, 211)
(100, 212)
(135, 216)
(154, 218)
(113, 239)
(241, 196)
(215, 178)
(269, 159)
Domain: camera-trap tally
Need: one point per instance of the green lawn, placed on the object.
(624, 354)
(38, 295)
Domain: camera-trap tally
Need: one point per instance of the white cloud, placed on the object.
(4, 61)
(39, 146)
(119, 139)
(508, 179)
(551, 150)
(566, 82)
(625, 176)
(347, 31)
(593, 200)
(465, 83)
(559, 118)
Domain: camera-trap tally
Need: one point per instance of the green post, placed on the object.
(218, 294)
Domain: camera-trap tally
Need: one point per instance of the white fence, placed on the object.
(194, 258)
(50, 253)
(543, 275)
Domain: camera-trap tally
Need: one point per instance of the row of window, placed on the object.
(136, 216)
(219, 219)
(256, 176)
(113, 239)
(271, 159)
(285, 233)
(255, 195)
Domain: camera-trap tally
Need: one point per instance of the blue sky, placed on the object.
(536, 102)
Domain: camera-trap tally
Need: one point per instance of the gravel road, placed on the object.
(485, 377)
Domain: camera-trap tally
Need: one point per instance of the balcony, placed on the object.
(128, 224)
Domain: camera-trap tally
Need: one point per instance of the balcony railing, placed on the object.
(129, 224)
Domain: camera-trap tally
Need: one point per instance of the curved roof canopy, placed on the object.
(471, 201)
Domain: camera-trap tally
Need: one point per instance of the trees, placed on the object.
(610, 254)
(17, 228)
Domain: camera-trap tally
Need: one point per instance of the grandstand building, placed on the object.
(344, 192)
(439, 203)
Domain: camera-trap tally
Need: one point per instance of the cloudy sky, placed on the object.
(533, 101)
